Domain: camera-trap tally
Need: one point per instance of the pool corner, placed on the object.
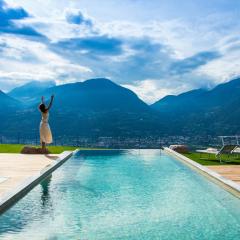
(227, 184)
(20, 190)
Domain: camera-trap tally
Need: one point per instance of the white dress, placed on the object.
(45, 131)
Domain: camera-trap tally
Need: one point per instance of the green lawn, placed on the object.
(210, 159)
(16, 148)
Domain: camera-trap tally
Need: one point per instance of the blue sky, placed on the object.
(155, 48)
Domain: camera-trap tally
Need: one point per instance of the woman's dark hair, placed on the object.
(42, 107)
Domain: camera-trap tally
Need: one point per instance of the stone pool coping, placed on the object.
(21, 190)
(227, 184)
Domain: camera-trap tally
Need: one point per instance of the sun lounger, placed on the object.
(226, 149)
(237, 150)
(208, 150)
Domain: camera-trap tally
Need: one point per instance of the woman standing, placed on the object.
(45, 131)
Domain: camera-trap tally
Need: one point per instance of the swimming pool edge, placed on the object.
(21, 190)
(227, 184)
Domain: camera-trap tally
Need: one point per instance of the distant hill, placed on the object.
(28, 92)
(96, 95)
(9, 110)
(8, 103)
(178, 103)
(96, 107)
(212, 112)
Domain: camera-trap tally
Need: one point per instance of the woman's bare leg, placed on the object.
(43, 145)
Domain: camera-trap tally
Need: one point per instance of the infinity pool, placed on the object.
(124, 195)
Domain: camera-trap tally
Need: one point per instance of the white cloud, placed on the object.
(223, 69)
(148, 90)
(178, 38)
(26, 60)
(151, 90)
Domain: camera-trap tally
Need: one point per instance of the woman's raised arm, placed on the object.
(51, 101)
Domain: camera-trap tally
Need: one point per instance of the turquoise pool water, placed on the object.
(124, 195)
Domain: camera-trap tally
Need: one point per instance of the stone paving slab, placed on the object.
(231, 172)
(16, 168)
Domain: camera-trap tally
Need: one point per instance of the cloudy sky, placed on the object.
(155, 48)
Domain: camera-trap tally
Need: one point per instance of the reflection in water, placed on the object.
(45, 197)
(38, 204)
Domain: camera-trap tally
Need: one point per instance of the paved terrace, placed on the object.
(231, 172)
(15, 169)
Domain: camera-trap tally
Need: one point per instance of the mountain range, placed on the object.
(28, 92)
(204, 112)
(96, 107)
(99, 107)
